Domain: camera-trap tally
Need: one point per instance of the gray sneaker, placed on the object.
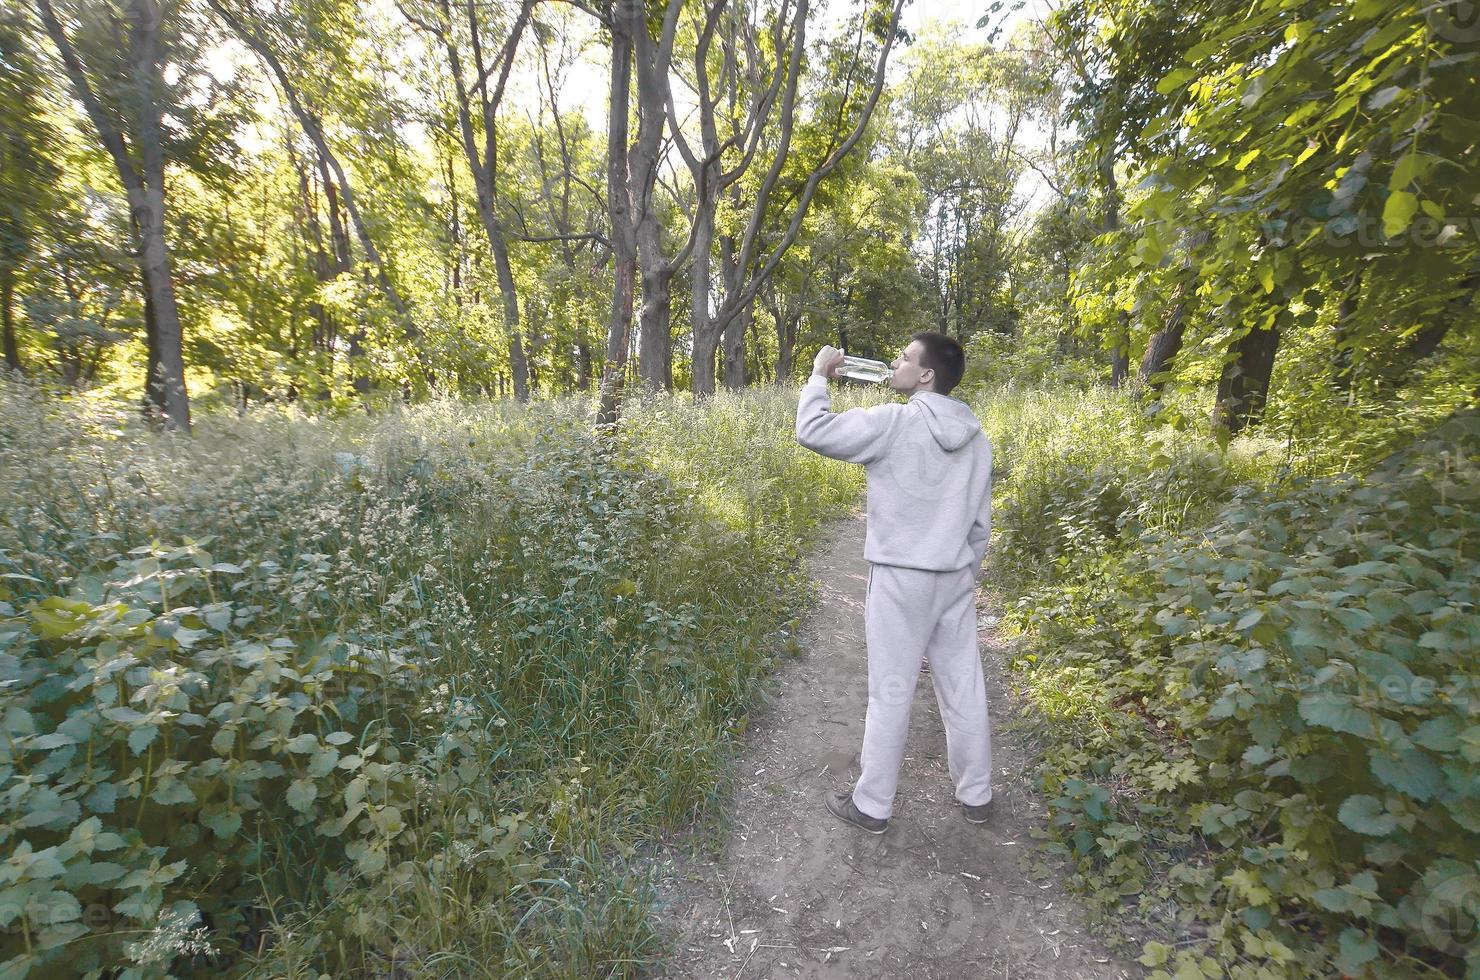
(840, 805)
(978, 813)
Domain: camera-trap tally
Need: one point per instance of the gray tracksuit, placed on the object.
(929, 471)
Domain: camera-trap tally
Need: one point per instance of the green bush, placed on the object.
(1277, 708)
(300, 695)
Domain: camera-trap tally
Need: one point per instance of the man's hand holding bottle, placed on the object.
(827, 362)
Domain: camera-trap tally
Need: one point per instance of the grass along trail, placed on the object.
(792, 891)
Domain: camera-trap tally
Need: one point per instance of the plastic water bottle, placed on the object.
(863, 369)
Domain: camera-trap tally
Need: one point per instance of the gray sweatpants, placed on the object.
(910, 614)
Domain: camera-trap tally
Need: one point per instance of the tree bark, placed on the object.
(1163, 347)
(483, 162)
(583, 366)
(1243, 388)
(705, 339)
(652, 60)
(732, 341)
(149, 215)
(143, 183)
(626, 19)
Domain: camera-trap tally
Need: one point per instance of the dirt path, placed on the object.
(798, 893)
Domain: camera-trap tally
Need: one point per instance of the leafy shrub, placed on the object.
(301, 695)
(160, 752)
(1279, 709)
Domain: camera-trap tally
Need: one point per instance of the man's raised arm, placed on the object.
(858, 435)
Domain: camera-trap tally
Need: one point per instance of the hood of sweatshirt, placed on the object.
(950, 420)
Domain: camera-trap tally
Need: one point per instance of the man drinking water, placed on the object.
(929, 471)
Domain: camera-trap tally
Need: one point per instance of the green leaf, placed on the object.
(141, 905)
(224, 741)
(1404, 173)
(1175, 80)
(1355, 948)
(301, 794)
(1410, 772)
(1335, 899)
(323, 762)
(1255, 917)
(1353, 619)
(172, 791)
(187, 638)
(18, 721)
(1257, 755)
(95, 873)
(54, 740)
(1440, 734)
(1248, 619)
(107, 841)
(307, 742)
(1435, 640)
(1365, 815)
(124, 715)
(1398, 213)
(1154, 954)
(223, 823)
(1338, 713)
(140, 738)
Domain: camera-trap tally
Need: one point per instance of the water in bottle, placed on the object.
(863, 369)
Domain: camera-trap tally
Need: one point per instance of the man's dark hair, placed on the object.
(944, 356)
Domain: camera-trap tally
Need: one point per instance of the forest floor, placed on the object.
(791, 891)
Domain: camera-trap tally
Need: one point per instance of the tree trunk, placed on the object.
(706, 338)
(144, 186)
(734, 348)
(583, 365)
(154, 260)
(626, 20)
(732, 342)
(1243, 388)
(1163, 347)
(760, 368)
(483, 162)
(510, 300)
(651, 66)
(655, 331)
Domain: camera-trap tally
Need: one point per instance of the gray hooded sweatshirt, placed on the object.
(929, 470)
